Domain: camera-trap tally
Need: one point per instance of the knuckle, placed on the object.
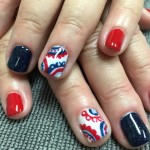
(72, 88)
(73, 24)
(118, 92)
(31, 23)
(131, 11)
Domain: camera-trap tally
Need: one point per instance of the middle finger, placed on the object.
(76, 22)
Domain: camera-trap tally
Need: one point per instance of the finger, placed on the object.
(120, 26)
(30, 33)
(15, 91)
(145, 19)
(81, 109)
(116, 95)
(137, 65)
(76, 22)
(7, 11)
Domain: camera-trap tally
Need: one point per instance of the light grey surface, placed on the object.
(45, 128)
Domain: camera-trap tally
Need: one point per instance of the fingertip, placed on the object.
(16, 97)
(95, 130)
(56, 63)
(112, 43)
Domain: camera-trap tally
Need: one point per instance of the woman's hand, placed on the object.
(109, 95)
(76, 22)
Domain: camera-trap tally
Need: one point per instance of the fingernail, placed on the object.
(92, 125)
(55, 61)
(14, 104)
(20, 59)
(134, 129)
(115, 39)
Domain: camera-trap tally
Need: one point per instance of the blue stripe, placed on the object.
(93, 112)
(102, 125)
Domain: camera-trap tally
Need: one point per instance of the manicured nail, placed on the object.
(134, 129)
(148, 10)
(115, 39)
(55, 61)
(92, 125)
(14, 104)
(20, 59)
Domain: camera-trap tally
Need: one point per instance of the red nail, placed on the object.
(115, 39)
(14, 104)
(148, 10)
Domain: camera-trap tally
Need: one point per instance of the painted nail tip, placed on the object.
(134, 129)
(14, 104)
(92, 125)
(20, 59)
(115, 39)
(55, 61)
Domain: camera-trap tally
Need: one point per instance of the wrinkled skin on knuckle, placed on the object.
(91, 49)
(116, 93)
(72, 88)
(73, 25)
(31, 22)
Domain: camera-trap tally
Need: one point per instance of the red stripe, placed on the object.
(62, 55)
(45, 65)
(56, 71)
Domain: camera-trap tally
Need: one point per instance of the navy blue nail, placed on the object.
(20, 59)
(134, 129)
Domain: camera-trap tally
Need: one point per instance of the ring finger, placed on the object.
(116, 95)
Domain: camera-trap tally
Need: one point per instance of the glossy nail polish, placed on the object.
(14, 104)
(134, 129)
(115, 39)
(20, 59)
(92, 125)
(55, 61)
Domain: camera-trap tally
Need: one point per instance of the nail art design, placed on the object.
(134, 129)
(55, 61)
(92, 125)
(14, 104)
(20, 59)
(115, 39)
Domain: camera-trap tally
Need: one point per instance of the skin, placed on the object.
(117, 99)
(73, 19)
(113, 98)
